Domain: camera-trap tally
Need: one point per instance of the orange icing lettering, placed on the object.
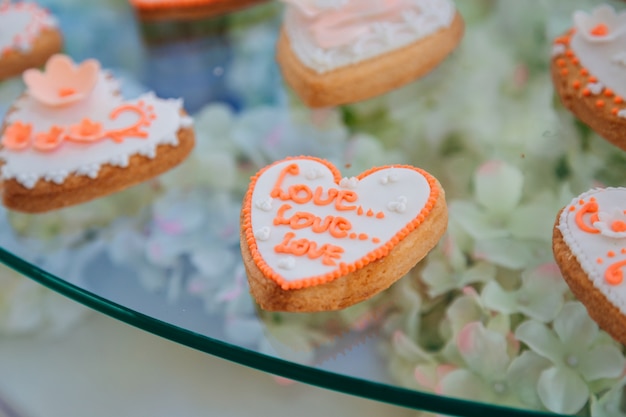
(339, 226)
(292, 169)
(347, 196)
(294, 190)
(329, 253)
(308, 220)
(317, 197)
(280, 216)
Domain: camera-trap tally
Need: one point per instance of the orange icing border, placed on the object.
(343, 269)
(569, 63)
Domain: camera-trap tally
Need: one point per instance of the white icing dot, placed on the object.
(389, 178)
(314, 173)
(351, 182)
(186, 121)
(90, 170)
(56, 177)
(264, 204)
(120, 161)
(595, 88)
(148, 151)
(558, 49)
(262, 234)
(398, 205)
(170, 140)
(27, 180)
(622, 114)
(288, 262)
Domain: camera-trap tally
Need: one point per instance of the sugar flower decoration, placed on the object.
(602, 25)
(612, 224)
(62, 82)
(579, 354)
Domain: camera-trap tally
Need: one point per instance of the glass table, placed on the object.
(164, 256)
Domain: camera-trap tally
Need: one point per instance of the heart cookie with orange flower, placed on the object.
(71, 138)
(589, 71)
(152, 10)
(589, 244)
(314, 241)
(28, 37)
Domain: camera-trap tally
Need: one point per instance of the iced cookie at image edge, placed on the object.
(71, 138)
(589, 71)
(345, 51)
(314, 241)
(154, 10)
(589, 244)
(28, 37)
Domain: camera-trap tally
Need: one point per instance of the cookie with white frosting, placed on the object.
(155, 10)
(589, 71)
(29, 35)
(589, 244)
(345, 51)
(314, 241)
(72, 138)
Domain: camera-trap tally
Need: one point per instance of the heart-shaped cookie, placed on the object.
(69, 140)
(589, 246)
(28, 37)
(313, 241)
(589, 71)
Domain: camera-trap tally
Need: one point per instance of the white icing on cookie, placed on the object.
(593, 226)
(599, 43)
(21, 24)
(29, 165)
(348, 226)
(329, 36)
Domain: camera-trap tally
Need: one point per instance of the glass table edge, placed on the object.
(403, 397)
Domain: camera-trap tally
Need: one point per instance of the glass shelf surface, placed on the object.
(164, 256)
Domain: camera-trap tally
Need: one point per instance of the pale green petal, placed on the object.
(498, 187)
(523, 376)
(463, 310)
(495, 298)
(438, 277)
(462, 383)
(407, 349)
(479, 272)
(611, 403)
(484, 351)
(562, 390)
(532, 222)
(474, 220)
(575, 328)
(508, 252)
(603, 361)
(541, 340)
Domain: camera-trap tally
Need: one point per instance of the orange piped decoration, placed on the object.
(614, 274)
(618, 226)
(66, 92)
(589, 208)
(600, 29)
(17, 136)
(49, 141)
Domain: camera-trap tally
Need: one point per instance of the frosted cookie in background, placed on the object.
(345, 51)
(29, 35)
(589, 71)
